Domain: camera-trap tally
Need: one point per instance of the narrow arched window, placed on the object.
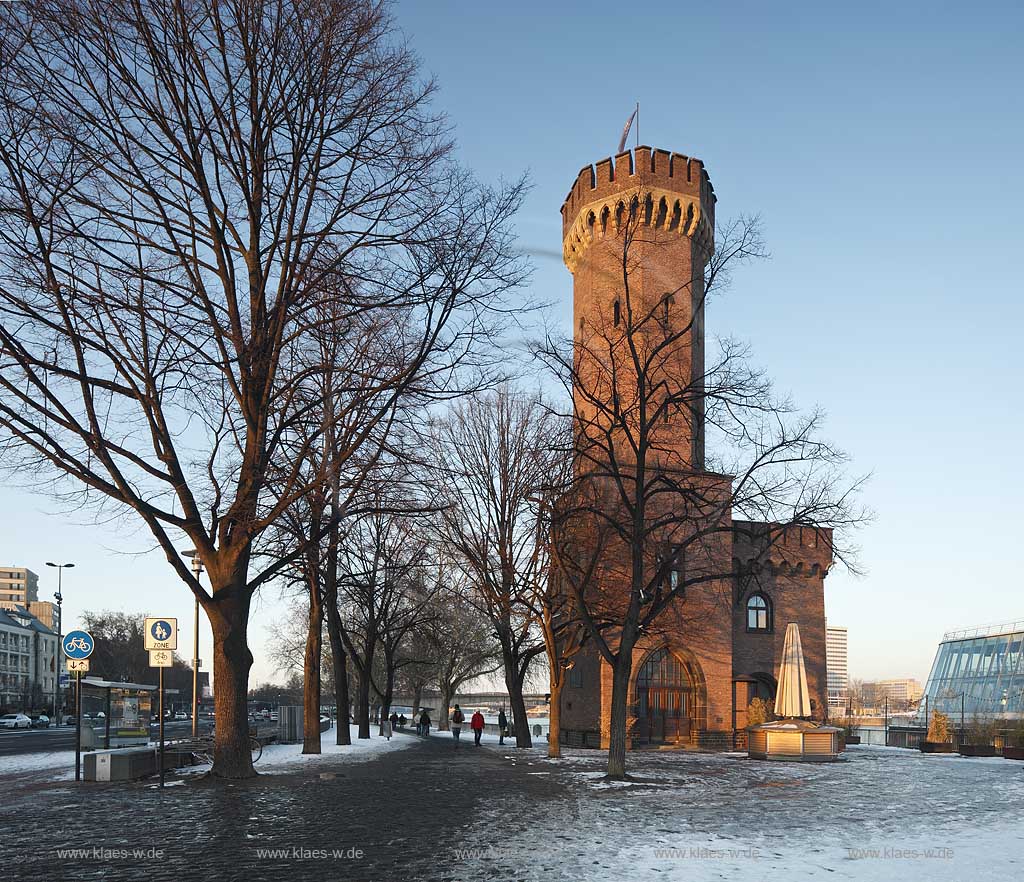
(759, 613)
(617, 313)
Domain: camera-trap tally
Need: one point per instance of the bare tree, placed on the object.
(187, 190)
(551, 603)
(417, 669)
(462, 647)
(493, 456)
(410, 610)
(380, 594)
(668, 448)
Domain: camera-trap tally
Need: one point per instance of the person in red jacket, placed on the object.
(477, 725)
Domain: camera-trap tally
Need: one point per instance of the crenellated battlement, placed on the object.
(793, 550)
(661, 189)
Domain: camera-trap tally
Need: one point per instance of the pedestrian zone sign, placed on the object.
(161, 633)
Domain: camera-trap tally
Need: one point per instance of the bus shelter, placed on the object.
(119, 713)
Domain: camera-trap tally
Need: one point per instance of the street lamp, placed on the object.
(197, 569)
(60, 622)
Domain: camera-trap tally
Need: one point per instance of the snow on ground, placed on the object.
(59, 765)
(487, 738)
(283, 756)
(55, 765)
(882, 813)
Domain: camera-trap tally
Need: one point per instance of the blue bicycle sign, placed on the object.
(78, 644)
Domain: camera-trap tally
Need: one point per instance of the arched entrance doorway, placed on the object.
(665, 706)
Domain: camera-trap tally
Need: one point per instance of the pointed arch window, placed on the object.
(617, 313)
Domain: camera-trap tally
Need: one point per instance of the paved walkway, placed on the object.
(428, 812)
(400, 816)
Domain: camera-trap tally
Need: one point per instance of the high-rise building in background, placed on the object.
(19, 588)
(836, 669)
(18, 585)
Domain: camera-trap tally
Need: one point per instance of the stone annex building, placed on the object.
(693, 681)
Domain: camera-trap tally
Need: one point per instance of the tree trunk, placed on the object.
(341, 698)
(363, 702)
(617, 734)
(447, 693)
(339, 659)
(514, 684)
(228, 613)
(311, 672)
(555, 715)
(389, 691)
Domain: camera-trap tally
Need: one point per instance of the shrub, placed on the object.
(938, 728)
(849, 725)
(760, 710)
(981, 731)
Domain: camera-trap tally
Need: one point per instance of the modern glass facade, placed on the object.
(980, 668)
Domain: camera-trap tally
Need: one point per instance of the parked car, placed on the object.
(41, 722)
(15, 721)
(181, 715)
(70, 720)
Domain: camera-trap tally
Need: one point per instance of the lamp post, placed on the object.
(59, 597)
(197, 570)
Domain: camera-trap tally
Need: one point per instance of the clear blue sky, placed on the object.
(882, 144)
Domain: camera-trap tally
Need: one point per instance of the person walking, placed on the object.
(477, 725)
(458, 718)
(424, 724)
(402, 721)
(394, 721)
(502, 726)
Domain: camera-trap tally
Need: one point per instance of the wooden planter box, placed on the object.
(977, 750)
(936, 747)
(1015, 753)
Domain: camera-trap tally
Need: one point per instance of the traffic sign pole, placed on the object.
(78, 646)
(161, 727)
(78, 726)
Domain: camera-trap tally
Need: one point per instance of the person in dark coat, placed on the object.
(502, 726)
(424, 724)
(394, 721)
(402, 721)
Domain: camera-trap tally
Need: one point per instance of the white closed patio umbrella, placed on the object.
(792, 698)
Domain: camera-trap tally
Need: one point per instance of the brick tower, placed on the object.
(637, 232)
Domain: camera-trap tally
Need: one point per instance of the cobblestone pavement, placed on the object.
(402, 815)
(429, 812)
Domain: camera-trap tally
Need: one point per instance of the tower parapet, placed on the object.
(675, 192)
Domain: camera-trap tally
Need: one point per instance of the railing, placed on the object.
(992, 630)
